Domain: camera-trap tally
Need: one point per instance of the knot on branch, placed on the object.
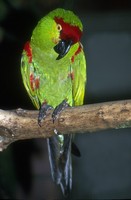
(6, 137)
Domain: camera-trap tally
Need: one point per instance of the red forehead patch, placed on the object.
(69, 31)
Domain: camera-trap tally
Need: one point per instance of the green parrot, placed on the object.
(53, 69)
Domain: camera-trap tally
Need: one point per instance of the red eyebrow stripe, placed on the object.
(69, 31)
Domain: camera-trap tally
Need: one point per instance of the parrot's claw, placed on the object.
(58, 109)
(43, 112)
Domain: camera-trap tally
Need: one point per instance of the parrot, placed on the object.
(53, 68)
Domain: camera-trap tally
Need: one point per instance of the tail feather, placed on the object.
(59, 149)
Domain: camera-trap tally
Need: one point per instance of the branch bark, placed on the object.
(22, 124)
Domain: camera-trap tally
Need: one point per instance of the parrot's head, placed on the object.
(57, 31)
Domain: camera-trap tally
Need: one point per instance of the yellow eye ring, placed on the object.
(59, 27)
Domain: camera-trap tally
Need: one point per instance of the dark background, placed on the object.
(104, 170)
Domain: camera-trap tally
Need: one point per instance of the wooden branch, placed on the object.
(22, 124)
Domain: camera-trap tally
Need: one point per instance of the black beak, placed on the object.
(62, 48)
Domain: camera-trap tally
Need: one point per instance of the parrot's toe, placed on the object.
(59, 109)
(43, 112)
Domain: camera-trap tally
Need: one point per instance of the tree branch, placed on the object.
(22, 124)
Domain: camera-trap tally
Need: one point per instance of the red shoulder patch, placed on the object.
(28, 51)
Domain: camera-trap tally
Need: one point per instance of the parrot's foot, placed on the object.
(43, 112)
(58, 109)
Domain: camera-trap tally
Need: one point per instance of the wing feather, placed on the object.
(79, 78)
(30, 80)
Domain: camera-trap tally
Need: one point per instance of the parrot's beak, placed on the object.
(62, 48)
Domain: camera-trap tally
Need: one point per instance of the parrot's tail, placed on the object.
(59, 148)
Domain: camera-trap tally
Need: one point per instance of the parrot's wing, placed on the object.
(78, 78)
(30, 79)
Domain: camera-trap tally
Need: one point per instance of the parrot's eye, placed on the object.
(59, 27)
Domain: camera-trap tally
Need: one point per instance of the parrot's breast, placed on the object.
(55, 82)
